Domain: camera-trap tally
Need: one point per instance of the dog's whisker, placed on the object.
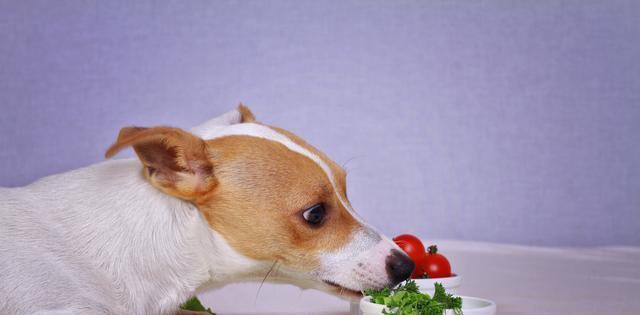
(345, 164)
(277, 270)
(275, 262)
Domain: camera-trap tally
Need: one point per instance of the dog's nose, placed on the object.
(399, 267)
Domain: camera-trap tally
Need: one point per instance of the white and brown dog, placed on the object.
(233, 200)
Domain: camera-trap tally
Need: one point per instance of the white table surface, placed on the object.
(522, 280)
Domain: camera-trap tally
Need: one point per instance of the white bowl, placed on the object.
(450, 284)
(470, 306)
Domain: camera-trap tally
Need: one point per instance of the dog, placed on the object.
(232, 200)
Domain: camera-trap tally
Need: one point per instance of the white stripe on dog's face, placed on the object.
(264, 132)
(358, 263)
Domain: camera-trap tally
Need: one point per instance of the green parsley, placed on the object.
(406, 299)
(194, 305)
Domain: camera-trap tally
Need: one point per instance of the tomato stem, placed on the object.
(432, 249)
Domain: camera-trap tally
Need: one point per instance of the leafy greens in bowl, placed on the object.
(406, 299)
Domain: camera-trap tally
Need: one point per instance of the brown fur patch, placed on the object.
(263, 188)
(338, 172)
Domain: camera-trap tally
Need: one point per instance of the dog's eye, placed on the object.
(314, 215)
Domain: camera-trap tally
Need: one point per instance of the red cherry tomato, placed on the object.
(435, 265)
(414, 248)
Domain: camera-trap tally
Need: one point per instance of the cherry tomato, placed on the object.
(435, 265)
(414, 248)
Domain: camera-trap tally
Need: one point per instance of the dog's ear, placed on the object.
(175, 161)
(246, 116)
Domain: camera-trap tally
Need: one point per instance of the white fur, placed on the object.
(102, 240)
(229, 118)
(361, 263)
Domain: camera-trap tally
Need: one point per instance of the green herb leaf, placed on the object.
(195, 305)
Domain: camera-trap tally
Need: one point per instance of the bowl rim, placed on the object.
(453, 276)
(367, 299)
(450, 283)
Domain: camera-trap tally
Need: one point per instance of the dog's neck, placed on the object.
(153, 247)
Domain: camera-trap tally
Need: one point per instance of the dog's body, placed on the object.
(72, 262)
(107, 239)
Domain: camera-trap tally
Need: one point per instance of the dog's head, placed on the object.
(273, 198)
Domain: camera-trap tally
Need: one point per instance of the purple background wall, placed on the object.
(486, 120)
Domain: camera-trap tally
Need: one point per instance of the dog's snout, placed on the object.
(399, 267)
